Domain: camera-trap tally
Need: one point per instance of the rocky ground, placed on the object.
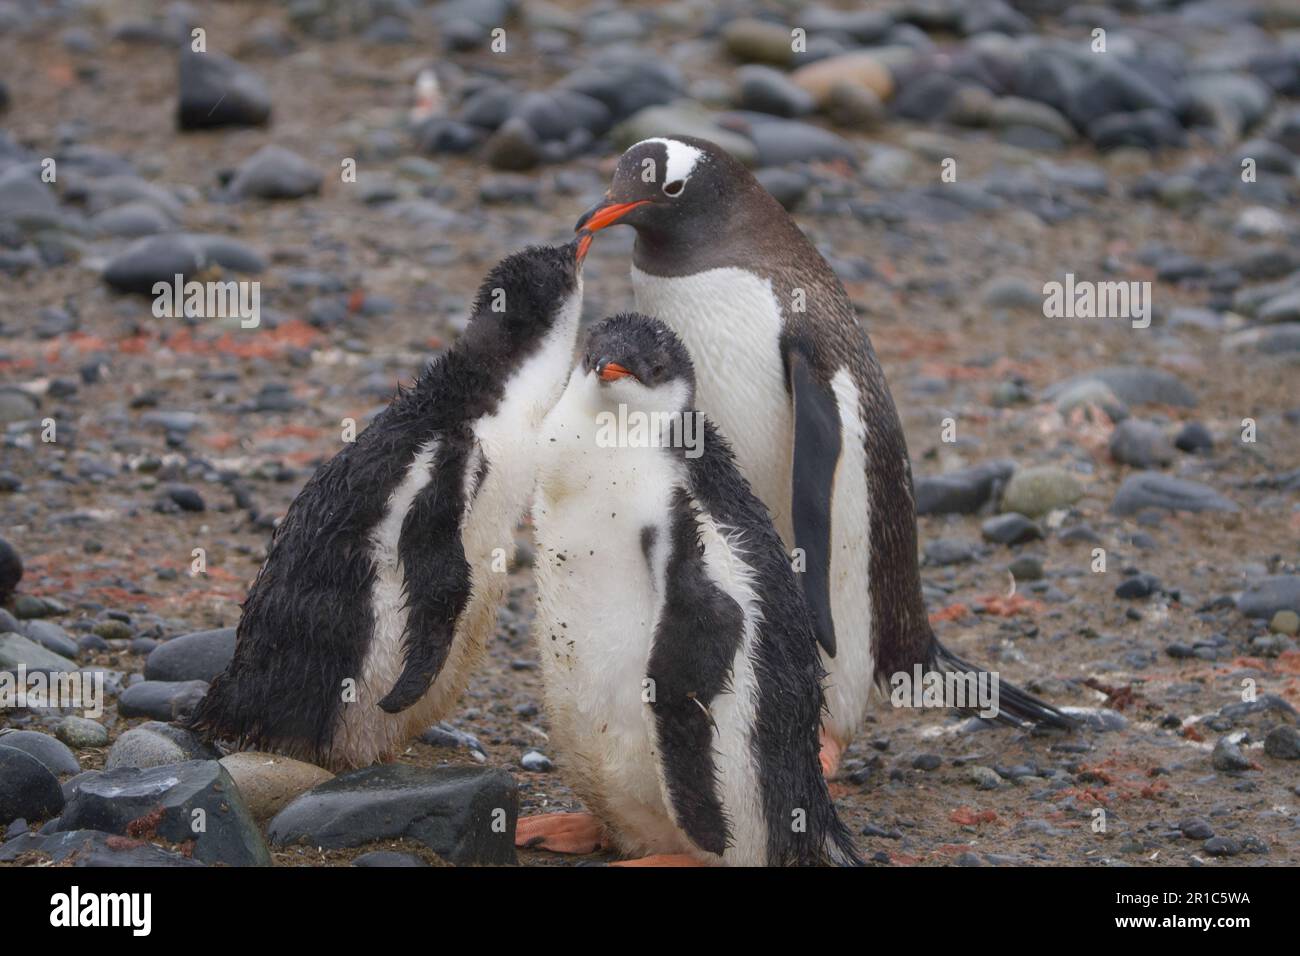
(1110, 512)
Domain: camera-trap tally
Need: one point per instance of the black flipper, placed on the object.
(695, 642)
(816, 454)
(437, 576)
(1016, 707)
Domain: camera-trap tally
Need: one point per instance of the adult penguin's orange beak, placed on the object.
(606, 213)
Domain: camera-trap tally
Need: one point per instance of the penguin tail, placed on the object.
(840, 850)
(1015, 707)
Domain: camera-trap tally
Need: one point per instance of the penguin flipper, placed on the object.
(437, 575)
(816, 455)
(696, 638)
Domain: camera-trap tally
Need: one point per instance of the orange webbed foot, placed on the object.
(831, 753)
(560, 833)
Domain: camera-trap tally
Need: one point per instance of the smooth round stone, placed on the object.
(1140, 444)
(513, 147)
(1285, 622)
(53, 638)
(767, 90)
(157, 744)
(201, 655)
(81, 733)
(1010, 529)
(1026, 568)
(854, 107)
(757, 41)
(48, 750)
(536, 762)
(1228, 757)
(161, 700)
(1194, 437)
(132, 220)
(27, 788)
(215, 90)
(268, 782)
(1282, 743)
(858, 68)
(111, 629)
(1034, 492)
(274, 172)
(1151, 489)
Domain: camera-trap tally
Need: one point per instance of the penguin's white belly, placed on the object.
(600, 592)
(851, 672)
(730, 320)
(594, 628)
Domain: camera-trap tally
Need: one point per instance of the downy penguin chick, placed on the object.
(382, 583)
(680, 666)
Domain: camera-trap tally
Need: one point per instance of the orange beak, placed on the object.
(584, 243)
(612, 372)
(603, 215)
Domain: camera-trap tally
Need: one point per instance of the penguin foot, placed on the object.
(560, 833)
(831, 752)
(662, 859)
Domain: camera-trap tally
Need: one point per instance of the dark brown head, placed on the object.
(675, 191)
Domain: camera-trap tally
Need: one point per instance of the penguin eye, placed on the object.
(675, 187)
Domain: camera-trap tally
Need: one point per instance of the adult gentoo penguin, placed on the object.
(382, 584)
(681, 674)
(789, 375)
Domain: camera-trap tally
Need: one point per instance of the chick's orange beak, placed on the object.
(606, 214)
(612, 372)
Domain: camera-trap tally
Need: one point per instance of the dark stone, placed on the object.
(1267, 596)
(169, 797)
(1138, 586)
(161, 700)
(964, 491)
(50, 751)
(1282, 742)
(93, 848)
(1150, 489)
(11, 569)
(217, 91)
(1227, 756)
(1194, 437)
(1010, 528)
(464, 814)
(27, 787)
(1147, 129)
(201, 655)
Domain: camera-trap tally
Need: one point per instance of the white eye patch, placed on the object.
(681, 160)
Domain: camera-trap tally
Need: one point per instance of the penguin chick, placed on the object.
(680, 665)
(379, 589)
